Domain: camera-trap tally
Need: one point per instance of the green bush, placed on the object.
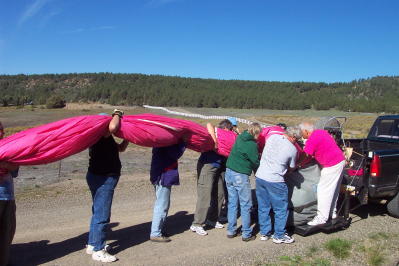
(55, 101)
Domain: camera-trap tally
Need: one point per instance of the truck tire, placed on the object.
(393, 206)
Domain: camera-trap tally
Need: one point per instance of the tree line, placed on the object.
(377, 94)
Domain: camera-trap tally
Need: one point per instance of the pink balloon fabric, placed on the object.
(158, 131)
(266, 133)
(58, 140)
(54, 141)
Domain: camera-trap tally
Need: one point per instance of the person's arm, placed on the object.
(115, 122)
(253, 156)
(123, 145)
(310, 145)
(292, 161)
(211, 131)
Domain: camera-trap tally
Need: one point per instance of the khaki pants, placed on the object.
(210, 193)
(7, 229)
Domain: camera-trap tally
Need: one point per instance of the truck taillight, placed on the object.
(375, 167)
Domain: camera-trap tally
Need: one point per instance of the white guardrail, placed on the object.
(215, 117)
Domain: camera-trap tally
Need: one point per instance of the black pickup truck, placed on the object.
(373, 171)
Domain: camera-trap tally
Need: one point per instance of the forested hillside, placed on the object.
(376, 94)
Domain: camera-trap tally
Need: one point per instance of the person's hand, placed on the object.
(118, 112)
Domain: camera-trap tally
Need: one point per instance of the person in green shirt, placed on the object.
(243, 159)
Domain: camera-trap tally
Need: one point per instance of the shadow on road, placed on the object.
(371, 209)
(39, 252)
(137, 234)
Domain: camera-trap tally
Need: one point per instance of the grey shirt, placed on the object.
(279, 154)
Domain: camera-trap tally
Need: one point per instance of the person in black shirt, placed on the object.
(102, 177)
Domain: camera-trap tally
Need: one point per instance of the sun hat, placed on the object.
(233, 120)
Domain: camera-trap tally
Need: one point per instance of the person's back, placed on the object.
(323, 147)
(104, 157)
(244, 157)
(278, 155)
(164, 164)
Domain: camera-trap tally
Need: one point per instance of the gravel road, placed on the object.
(54, 206)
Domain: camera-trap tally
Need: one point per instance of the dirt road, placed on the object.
(53, 220)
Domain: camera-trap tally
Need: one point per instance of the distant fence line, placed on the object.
(215, 117)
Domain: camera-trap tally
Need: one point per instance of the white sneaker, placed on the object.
(103, 256)
(317, 220)
(264, 237)
(216, 225)
(199, 230)
(90, 249)
(219, 225)
(286, 239)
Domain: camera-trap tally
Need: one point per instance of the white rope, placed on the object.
(214, 117)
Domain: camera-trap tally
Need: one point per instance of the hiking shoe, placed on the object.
(216, 225)
(199, 230)
(317, 220)
(232, 236)
(103, 256)
(90, 249)
(160, 239)
(264, 237)
(286, 239)
(246, 239)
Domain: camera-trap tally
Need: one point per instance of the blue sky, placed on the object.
(279, 40)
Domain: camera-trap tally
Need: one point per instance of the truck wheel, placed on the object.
(393, 206)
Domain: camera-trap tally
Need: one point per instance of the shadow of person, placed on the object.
(44, 251)
(140, 233)
(38, 252)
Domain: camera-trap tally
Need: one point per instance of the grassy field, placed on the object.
(16, 119)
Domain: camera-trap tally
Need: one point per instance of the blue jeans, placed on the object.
(102, 192)
(239, 190)
(272, 195)
(161, 208)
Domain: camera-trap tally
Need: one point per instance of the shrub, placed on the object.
(55, 101)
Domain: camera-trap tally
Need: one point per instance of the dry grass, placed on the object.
(16, 119)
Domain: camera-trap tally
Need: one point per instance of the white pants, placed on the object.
(328, 189)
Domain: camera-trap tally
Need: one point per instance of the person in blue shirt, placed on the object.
(7, 206)
(163, 175)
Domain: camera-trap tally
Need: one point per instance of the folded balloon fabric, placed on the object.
(55, 141)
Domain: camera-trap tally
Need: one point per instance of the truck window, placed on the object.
(395, 134)
(387, 128)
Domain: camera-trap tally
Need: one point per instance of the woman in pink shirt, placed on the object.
(321, 145)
